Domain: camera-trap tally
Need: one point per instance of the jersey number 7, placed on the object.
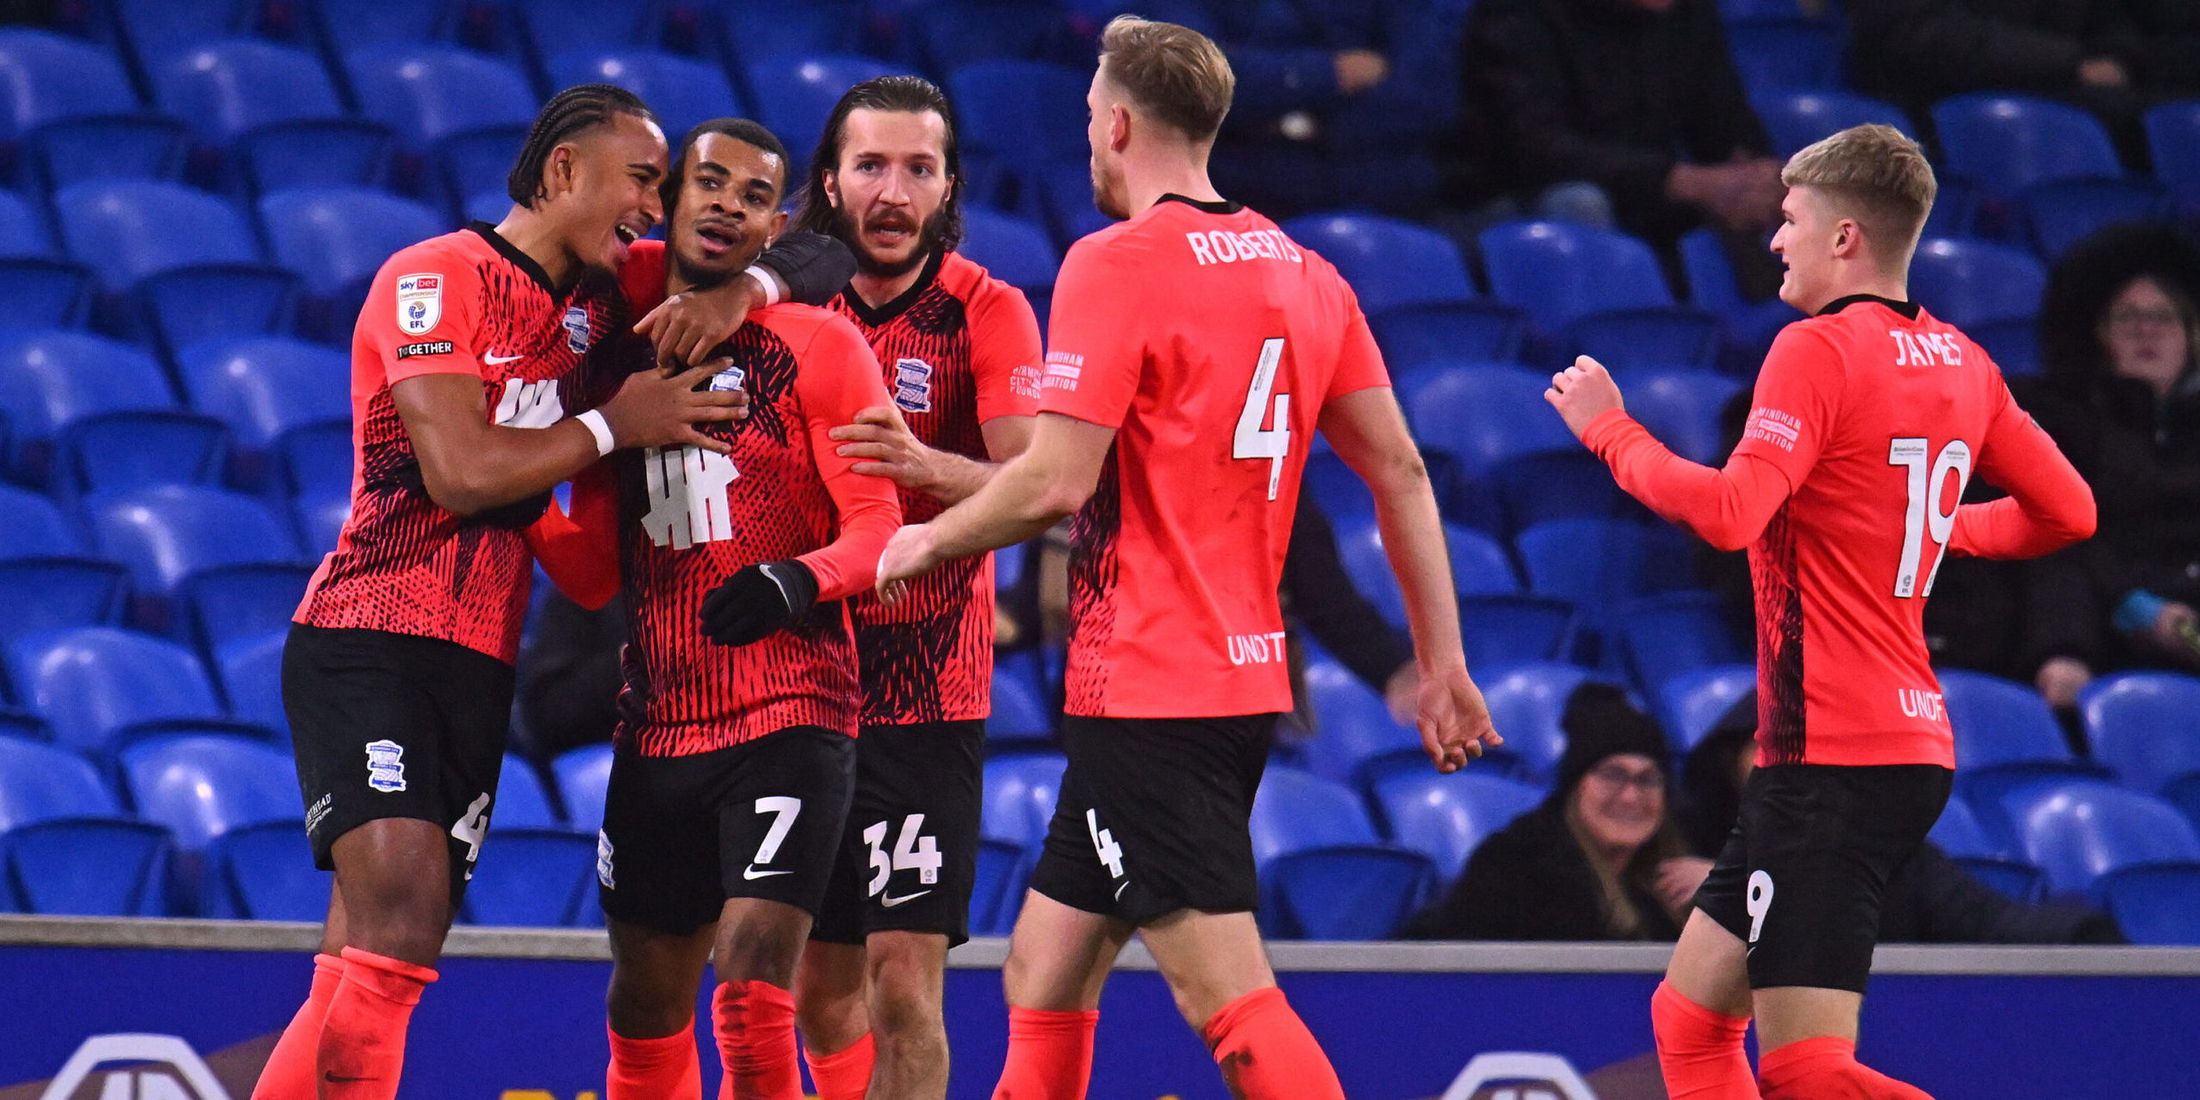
(1924, 514)
(1252, 440)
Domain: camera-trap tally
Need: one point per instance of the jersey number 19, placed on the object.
(1928, 511)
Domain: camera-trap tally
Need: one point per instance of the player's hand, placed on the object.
(908, 555)
(686, 326)
(2060, 679)
(1359, 70)
(889, 449)
(1453, 718)
(1678, 879)
(758, 600)
(1583, 392)
(656, 408)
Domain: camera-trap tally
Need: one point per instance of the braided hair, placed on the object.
(912, 94)
(572, 111)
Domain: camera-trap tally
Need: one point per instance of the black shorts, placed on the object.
(760, 819)
(909, 854)
(1801, 879)
(394, 725)
(1153, 816)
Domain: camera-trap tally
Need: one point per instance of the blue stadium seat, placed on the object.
(1560, 272)
(428, 92)
(2185, 795)
(1020, 792)
(2077, 830)
(583, 775)
(1795, 119)
(252, 679)
(1510, 630)
(119, 452)
(681, 90)
(1020, 712)
(1712, 286)
(1295, 810)
(1666, 637)
(1447, 816)
(265, 872)
(2008, 143)
(2173, 142)
(1436, 332)
(2013, 342)
(345, 25)
(2155, 906)
(264, 386)
(156, 31)
(1656, 335)
(200, 786)
(1014, 250)
(50, 378)
(1998, 722)
(2013, 879)
(554, 29)
(35, 527)
(92, 867)
(1527, 705)
(1390, 263)
(2064, 212)
(2141, 724)
(58, 593)
(1478, 566)
(68, 114)
(752, 33)
(170, 532)
(242, 603)
(40, 782)
(795, 94)
(1354, 892)
(336, 238)
(319, 517)
(316, 460)
(38, 289)
(1352, 725)
(276, 112)
(1968, 282)
(94, 682)
(1681, 408)
(1482, 415)
(1959, 833)
(1599, 563)
(998, 894)
(1016, 121)
(190, 258)
(22, 230)
(950, 35)
(1693, 702)
(522, 801)
(531, 878)
(1785, 54)
(1554, 485)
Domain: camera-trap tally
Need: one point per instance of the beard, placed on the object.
(929, 241)
(1106, 197)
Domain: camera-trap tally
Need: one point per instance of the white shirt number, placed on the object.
(1253, 441)
(1928, 512)
(912, 851)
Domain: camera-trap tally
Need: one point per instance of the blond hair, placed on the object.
(1173, 73)
(1876, 174)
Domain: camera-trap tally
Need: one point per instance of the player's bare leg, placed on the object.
(651, 1008)
(1220, 977)
(835, 1022)
(906, 979)
(393, 889)
(1790, 1014)
(1700, 1015)
(1058, 961)
(759, 944)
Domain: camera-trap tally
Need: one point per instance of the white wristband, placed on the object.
(764, 279)
(593, 420)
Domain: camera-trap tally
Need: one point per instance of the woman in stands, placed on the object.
(1600, 859)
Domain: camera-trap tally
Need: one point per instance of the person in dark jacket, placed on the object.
(1600, 859)
(2120, 343)
(1639, 97)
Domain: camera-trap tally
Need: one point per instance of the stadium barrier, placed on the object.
(187, 1010)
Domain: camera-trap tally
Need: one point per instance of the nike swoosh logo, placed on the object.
(890, 900)
(1119, 890)
(495, 360)
(752, 874)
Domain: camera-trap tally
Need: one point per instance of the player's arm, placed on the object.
(2048, 507)
(1368, 432)
(800, 267)
(837, 375)
(578, 546)
(1728, 507)
(1004, 357)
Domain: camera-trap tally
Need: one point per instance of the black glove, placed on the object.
(758, 600)
(814, 266)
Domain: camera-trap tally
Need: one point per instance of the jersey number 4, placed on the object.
(1929, 512)
(1253, 441)
(687, 496)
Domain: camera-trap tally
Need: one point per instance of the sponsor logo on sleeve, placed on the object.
(1064, 368)
(913, 385)
(1781, 429)
(419, 303)
(1024, 381)
(430, 347)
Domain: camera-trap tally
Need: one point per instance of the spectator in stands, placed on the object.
(1600, 859)
(1319, 595)
(1932, 899)
(1638, 97)
(2168, 57)
(2087, 52)
(2119, 341)
(1339, 103)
